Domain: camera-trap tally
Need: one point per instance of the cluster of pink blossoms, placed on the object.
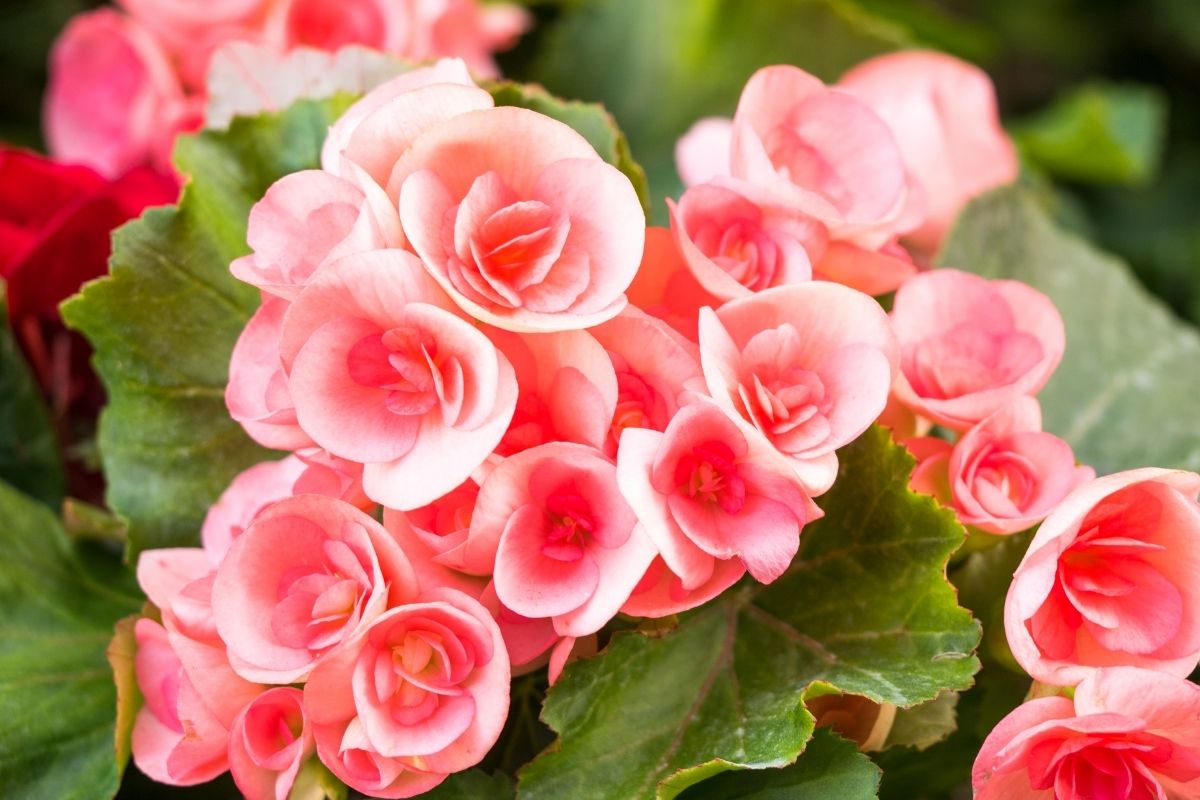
(561, 415)
(124, 84)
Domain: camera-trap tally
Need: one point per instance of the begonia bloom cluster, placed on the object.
(560, 415)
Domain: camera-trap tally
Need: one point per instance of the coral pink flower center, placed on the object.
(506, 247)
(569, 524)
(404, 363)
(802, 164)
(709, 475)
(1107, 580)
(742, 249)
(318, 604)
(967, 359)
(1101, 767)
(999, 473)
(271, 730)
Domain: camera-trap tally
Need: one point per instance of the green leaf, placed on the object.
(925, 725)
(29, 457)
(588, 119)
(830, 768)
(865, 607)
(659, 66)
(1098, 133)
(1120, 395)
(164, 323)
(58, 605)
(473, 784)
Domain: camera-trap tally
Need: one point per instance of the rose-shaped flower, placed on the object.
(943, 114)
(520, 220)
(656, 368)
(665, 287)
(1004, 475)
(1110, 579)
(114, 101)
(181, 733)
(310, 573)
(736, 244)
(822, 152)
(304, 220)
(563, 541)
(422, 694)
(269, 741)
(384, 371)
(969, 345)
(705, 491)
(1128, 733)
(807, 365)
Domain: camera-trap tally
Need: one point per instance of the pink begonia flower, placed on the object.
(519, 219)
(384, 371)
(307, 471)
(821, 152)
(310, 573)
(942, 111)
(661, 592)
(306, 219)
(968, 345)
(665, 288)
(382, 125)
(702, 153)
(564, 543)
(1128, 733)
(808, 365)
(179, 736)
(705, 492)
(423, 693)
(1110, 579)
(113, 102)
(568, 389)
(416, 30)
(269, 741)
(656, 370)
(257, 394)
(737, 243)
(1004, 475)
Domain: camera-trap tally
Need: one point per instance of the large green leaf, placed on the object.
(29, 457)
(865, 607)
(1131, 370)
(1099, 133)
(659, 65)
(58, 605)
(164, 323)
(829, 769)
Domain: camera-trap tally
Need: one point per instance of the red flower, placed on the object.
(55, 226)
